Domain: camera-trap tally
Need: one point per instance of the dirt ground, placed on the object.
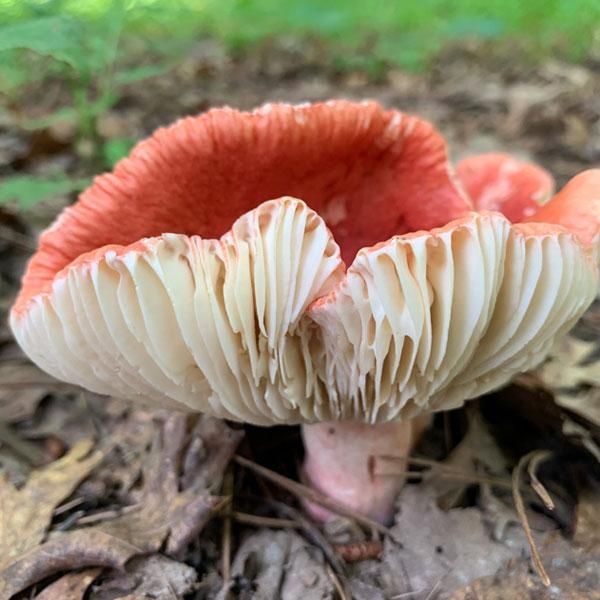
(104, 501)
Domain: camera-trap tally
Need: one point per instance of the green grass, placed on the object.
(404, 32)
(98, 46)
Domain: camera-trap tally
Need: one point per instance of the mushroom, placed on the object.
(196, 277)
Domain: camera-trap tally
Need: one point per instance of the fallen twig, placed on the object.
(334, 566)
(520, 508)
(226, 538)
(336, 583)
(539, 457)
(445, 471)
(259, 521)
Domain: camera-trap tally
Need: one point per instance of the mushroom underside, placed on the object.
(265, 324)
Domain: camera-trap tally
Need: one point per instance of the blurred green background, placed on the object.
(95, 47)
(400, 32)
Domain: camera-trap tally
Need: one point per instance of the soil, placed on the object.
(102, 500)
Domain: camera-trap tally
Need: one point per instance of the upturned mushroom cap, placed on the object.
(504, 184)
(173, 282)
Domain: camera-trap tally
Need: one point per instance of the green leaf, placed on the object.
(66, 113)
(115, 150)
(26, 190)
(136, 74)
(462, 27)
(58, 37)
(103, 37)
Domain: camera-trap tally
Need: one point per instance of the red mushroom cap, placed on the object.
(502, 183)
(370, 173)
(176, 280)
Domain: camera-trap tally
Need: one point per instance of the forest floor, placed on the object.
(101, 500)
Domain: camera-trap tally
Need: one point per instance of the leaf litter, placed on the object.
(177, 497)
(26, 513)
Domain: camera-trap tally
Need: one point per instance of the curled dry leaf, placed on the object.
(476, 456)
(73, 585)
(156, 577)
(279, 565)
(26, 513)
(583, 435)
(175, 505)
(574, 574)
(448, 549)
(587, 527)
(172, 506)
(65, 551)
(573, 366)
(19, 399)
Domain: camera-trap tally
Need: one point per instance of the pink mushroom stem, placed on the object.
(360, 466)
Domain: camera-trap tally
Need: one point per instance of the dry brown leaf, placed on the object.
(278, 565)
(66, 551)
(574, 576)
(569, 364)
(26, 513)
(574, 363)
(71, 586)
(448, 549)
(156, 577)
(16, 402)
(583, 435)
(477, 454)
(173, 505)
(587, 526)
(585, 403)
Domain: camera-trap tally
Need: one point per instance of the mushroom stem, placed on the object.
(345, 460)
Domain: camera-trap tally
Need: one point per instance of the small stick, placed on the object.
(314, 535)
(520, 507)
(259, 521)
(337, 584)
(30, 452)
(108, 515)
(59, 510)
(435, 588)
(446, 471)
(301, 491)
(226, 539)
(539, 457)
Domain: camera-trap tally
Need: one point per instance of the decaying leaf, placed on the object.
(476, 455)
(25, 514)
(66, 551)
(447, 549)
(181, 476)
(73, 585)
(585, 403)
(18, 399)
(279, 565)
(577, 431)
(573, 366)
(571, 363)
(587, 527)
(574, 575)
(156, 577)
(174, 504)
